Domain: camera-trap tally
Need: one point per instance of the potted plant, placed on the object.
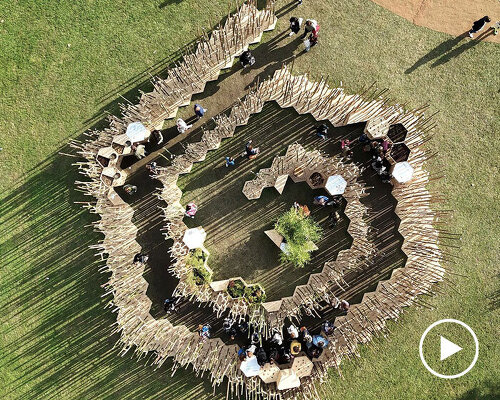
(299, 234)
(199, 274)
(254, 294)
(236, 288)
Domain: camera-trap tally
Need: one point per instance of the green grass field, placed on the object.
(64, 64)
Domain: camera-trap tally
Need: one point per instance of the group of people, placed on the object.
(311, 31)
(481, 23)
(283, 346)
(310, 34)
(199, 112)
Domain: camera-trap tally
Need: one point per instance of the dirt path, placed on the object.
(450, 16)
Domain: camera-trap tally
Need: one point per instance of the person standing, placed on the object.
(495, 27)
(199, 110)
(479, 25)
(139, 151)
(191, 210)
(158, 136)
(322, 131)
(130, 189)
(182, 126)
(295, 24)
(247, 59)
(311, 26)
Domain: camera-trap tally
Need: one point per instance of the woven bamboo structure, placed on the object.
(144, 335)
(319, 286)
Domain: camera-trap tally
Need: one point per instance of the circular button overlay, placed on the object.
(448, 349)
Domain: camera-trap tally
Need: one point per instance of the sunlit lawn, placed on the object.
(62, 64)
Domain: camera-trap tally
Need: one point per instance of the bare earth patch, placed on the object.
(450, 16)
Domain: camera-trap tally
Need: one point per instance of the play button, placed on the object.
(449, 346)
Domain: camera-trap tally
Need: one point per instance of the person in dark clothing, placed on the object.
(313, 41)
(333, 219)
(169, 305)
(229, 328)
(336, 201)
(295, 24)
(314, 352)
(285, 355)
(247, 59)
(255, 338)
(274, 355)
(130, 189)
(261, 356)
(322, 131)
(158, 136)
(311, 26)
(140, 258)
(251, 152)
(152, 167)
(479, 25)
(243, 327)
(199, 111)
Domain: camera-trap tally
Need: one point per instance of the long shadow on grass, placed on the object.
(60, 334)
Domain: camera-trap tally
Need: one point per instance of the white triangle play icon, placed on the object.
(448, 348)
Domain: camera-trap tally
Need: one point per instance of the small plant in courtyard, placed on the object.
(255, 294)
(199, 275)
(236, 288)
(299, 233)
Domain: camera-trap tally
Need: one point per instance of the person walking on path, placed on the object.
(182, 126)
(295, 24)
(495, 27)
(322, 131)
(199, 110)
(191, 210)
(247, 59)
(139, 151)
(130, 189)
(311, 26)
(479, 25)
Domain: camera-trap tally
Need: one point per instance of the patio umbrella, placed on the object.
(402, 172)
(269, 373)
(137, 132)
(397, 133)
(287, 379)
(320, 341)
(335, 185)
(400, 152)
(194, 238)
(250, 367)
(302, 366)
(377, 128)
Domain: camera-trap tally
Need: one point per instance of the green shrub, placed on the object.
(298, 231)
(198, 274)
(236, 288)
(255, 294)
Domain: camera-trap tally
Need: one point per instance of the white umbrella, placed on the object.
(250, 367)
(194, 238)
(402, 172)
(335, 185)
(137, 132)
(287, 379)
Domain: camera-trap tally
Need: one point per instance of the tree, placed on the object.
(299, 233)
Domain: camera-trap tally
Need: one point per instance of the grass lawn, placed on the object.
(63, 64)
